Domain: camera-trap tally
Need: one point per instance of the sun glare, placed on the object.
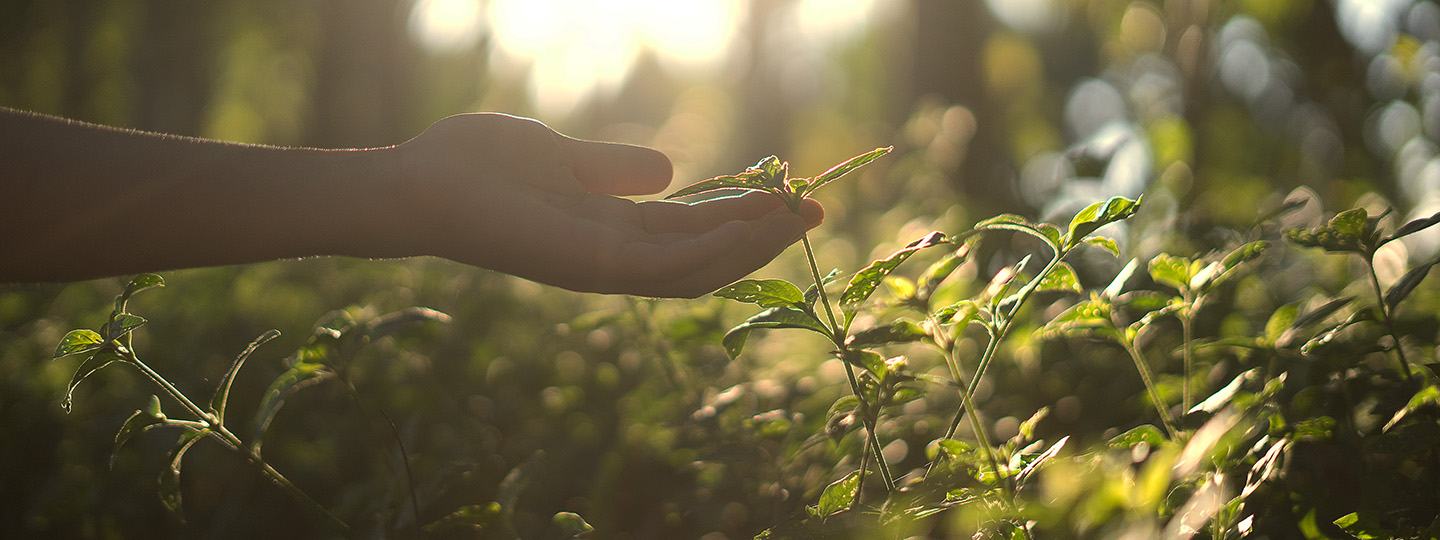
(574, 47)
(446, 25)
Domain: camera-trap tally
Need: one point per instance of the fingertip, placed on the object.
(812, 212)
(620, 169)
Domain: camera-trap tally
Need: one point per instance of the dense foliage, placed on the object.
(1133, 269)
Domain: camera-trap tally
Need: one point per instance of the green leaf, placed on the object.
(299, 374)
(1350, 222)
(1171, 271)
(1280, 321)
(839, 496)
(1099, 215)
(1107, 244)
(958, 313)
(750, 180)
(1407, 283)
(468, 518)
(1012, 222)
(1060, 278)
(771, 167)
(222, 391)
(766, 293)
(869, 361)
(865, 281)
(1413, 227)
(1144, 433)
(93, 363)
(781, 317)
(844, 168)
(142, 420)
(1265, 468)
(812, 293)
(901, 331)
(78, 341)
(170, 476)
(138, 283)
(1081, 318)
(1426, 397)
(941, 269)
(571, 524)
(1117, 285)
(1040, 460)
(121, 324)
(1223, 396)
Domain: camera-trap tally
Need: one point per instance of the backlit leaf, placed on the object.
(767, 293)
(123, 323)
(78, 341)
(392, 322)
(750, 180)
(1099, 215)
(900, 331)
(839, 496)
(865, 281)
(1171, 271)
(1060, 278)
(845, 168)
(299, 374)
(1144, 433)
(780, 317)
(87, 368)
(1107, 244)
(941, 269)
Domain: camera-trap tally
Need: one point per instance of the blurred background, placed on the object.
(1214, 110)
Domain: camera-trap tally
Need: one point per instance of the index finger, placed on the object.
(618, 169)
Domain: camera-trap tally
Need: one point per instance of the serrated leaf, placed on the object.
(1060, 278)
(571, 524)
(1413, 227)
(839, 496)
(92, 364)
(78, 341)
(865, 281)
(766, 293)
(1099, 215)
(780, 317)
(1407, 283)
(170, 475)
(1144, 433)
(298, 375)
(390, 323)
(1171, 271)
(142, 420)
(222, 391)
(845, 168)
(1102, 242)
(901, 331)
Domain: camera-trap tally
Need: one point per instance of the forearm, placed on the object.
(83, 201)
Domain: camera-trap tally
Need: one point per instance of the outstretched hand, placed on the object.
(512, 195)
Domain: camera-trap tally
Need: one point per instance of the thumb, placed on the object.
(618, 169)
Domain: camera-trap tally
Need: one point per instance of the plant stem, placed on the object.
(1148, 378)
(837, 336)
(224, 435)
(1385, 314)
(1187, 330)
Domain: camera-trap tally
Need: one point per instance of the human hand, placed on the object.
(512, 195)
